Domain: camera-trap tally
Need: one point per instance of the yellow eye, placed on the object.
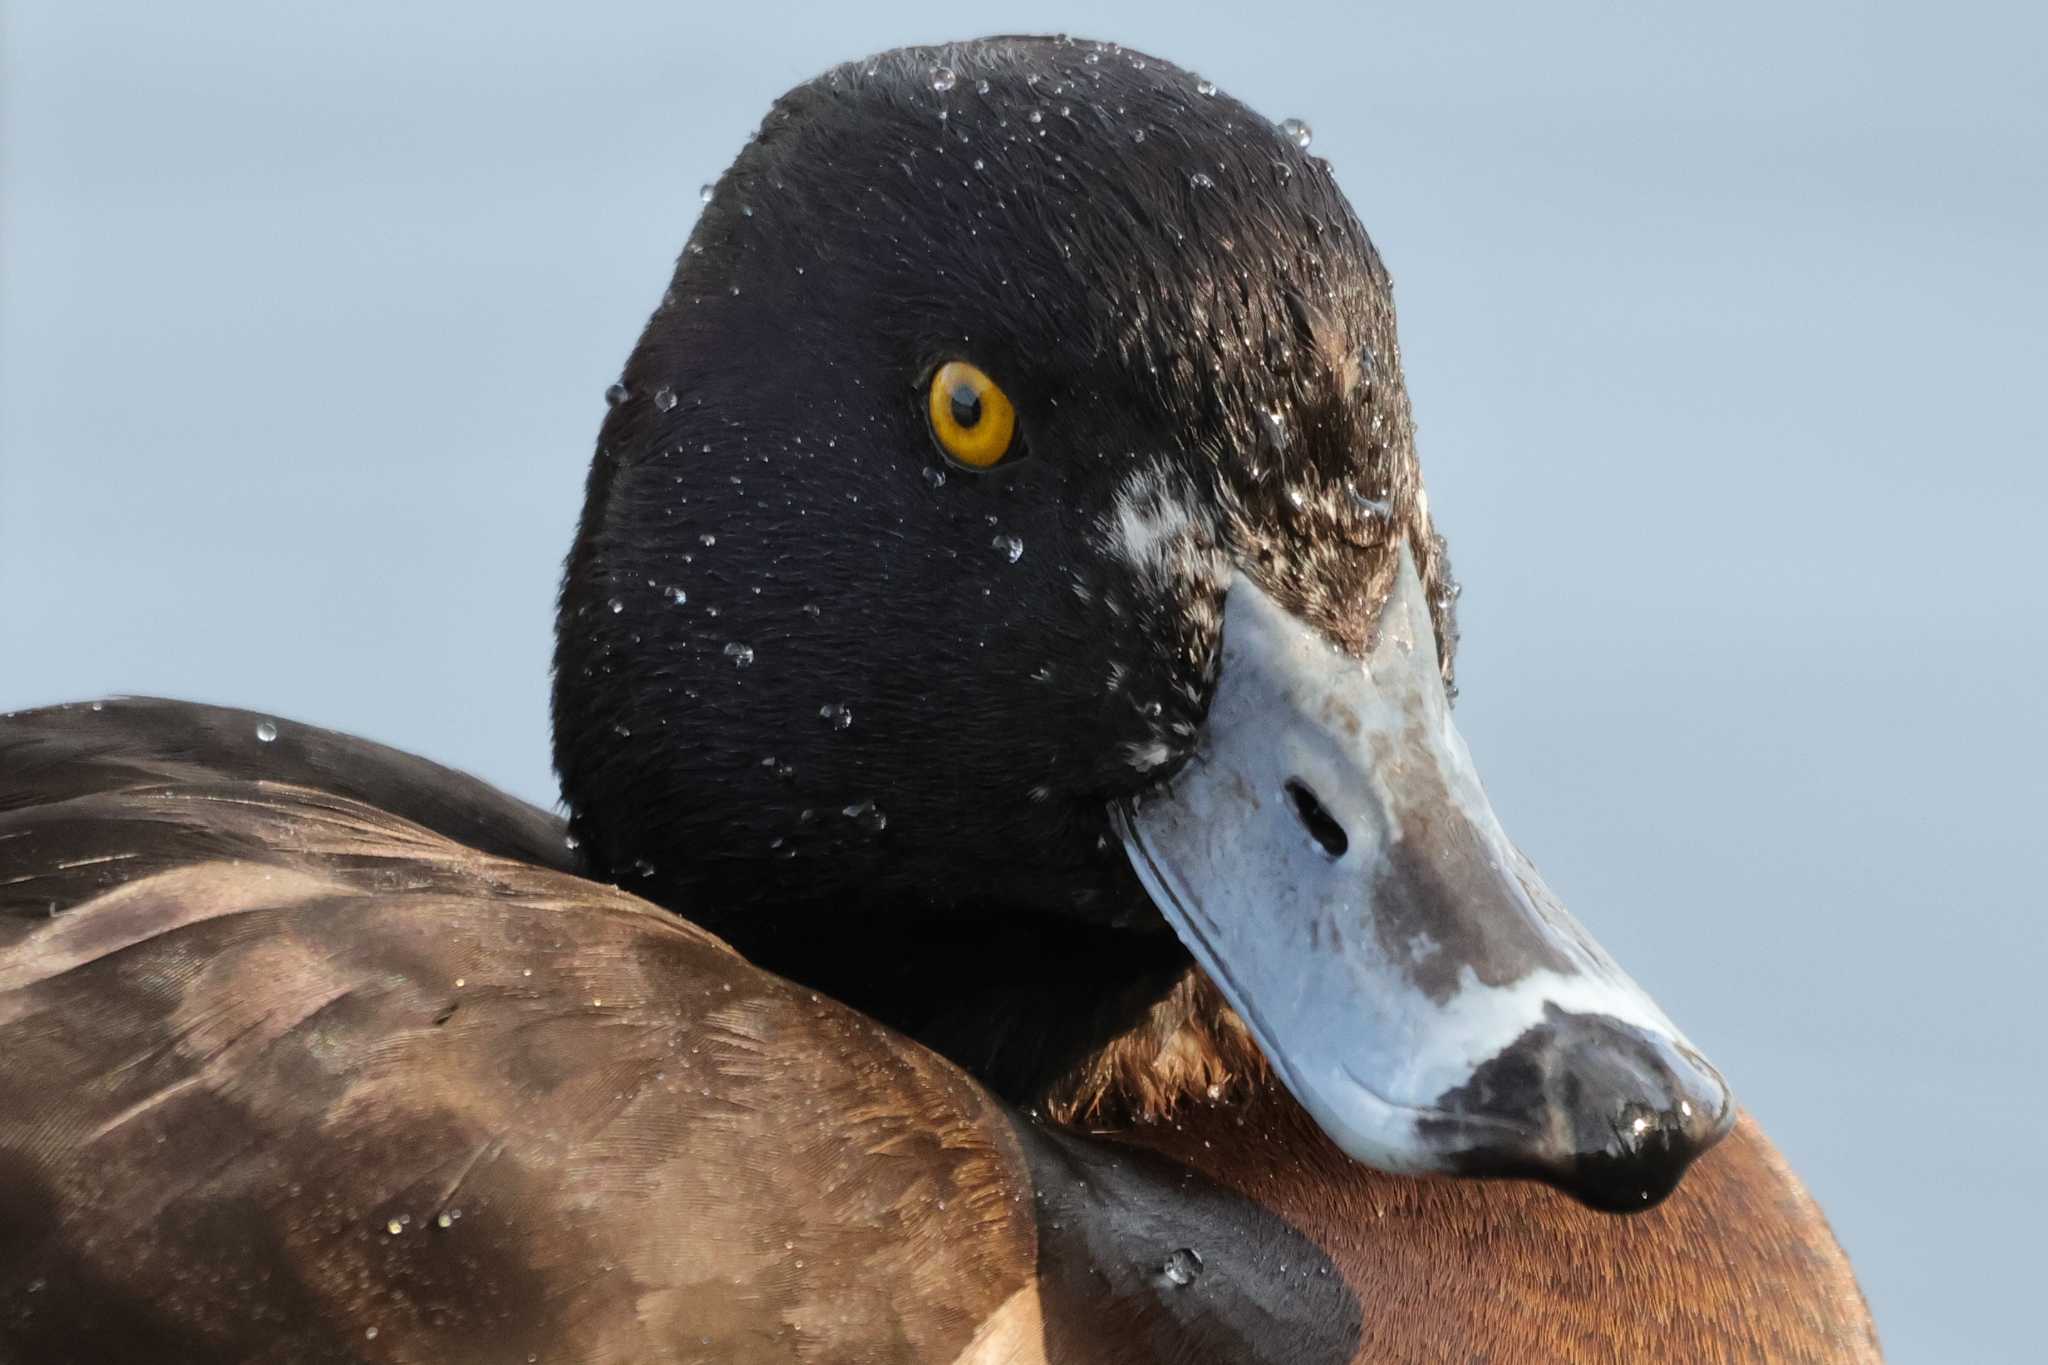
(970, 415)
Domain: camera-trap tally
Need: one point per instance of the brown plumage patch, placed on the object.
(285, 1076)
(1190, 1047)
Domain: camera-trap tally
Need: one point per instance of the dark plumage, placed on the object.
(841, 1029)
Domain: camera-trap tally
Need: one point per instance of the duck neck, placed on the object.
(1041, 1010)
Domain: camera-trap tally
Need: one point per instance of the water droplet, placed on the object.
(1137, 134)
(1035, 116)
(643, 867)
(678, 596)
(704, 193)
(1093, 59)
(741, 655)
(265, 731)
(1205, 87)
(1201, 181)
(839, 716)
(664, 398)
(369, 1334)
(1276, 426)
(1297, 132)
(394, 1227)
(707, 540)
(1380, 508)
(813, 610)
(1011, 546)
(980, 165)
(1183, 1267)
(616, 605)
(944, 78)
(442, 1221)
(615, 395)
(935, 477)
(864, 814)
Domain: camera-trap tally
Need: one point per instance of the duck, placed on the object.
(1022, 895)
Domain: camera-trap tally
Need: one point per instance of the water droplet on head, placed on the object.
(265, 731)
(678, 596)
(981, 87)
(1276, 426)
(664, 398)
(935, 477)
(615, 395)
(944, 78)
(1183, 1267)
(1011, 546)
(1297, 132)
(704, 193)
(839, 717)
(864, 814)
(616, 605)
(1036, 116)
(1205, 87)
(741, 655)
(1379, 508)
(1201, 180)
(707, 540)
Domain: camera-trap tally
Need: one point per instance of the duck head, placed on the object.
(1006, 580)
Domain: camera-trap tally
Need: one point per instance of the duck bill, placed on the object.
(1331, 860)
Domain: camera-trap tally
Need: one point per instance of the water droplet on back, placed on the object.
(741, 655)
(1205, 87)
(1201, 180)
(704, 193)
(265, 731)
(1183, 1267)
(944, 78)
(1012, 546)
(1297, 132)
(839, 717)
(615, 395)
(664, 398)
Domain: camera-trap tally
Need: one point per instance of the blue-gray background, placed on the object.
(1725, 328)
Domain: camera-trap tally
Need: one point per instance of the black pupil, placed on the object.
(966, 406)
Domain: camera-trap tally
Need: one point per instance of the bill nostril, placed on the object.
(1320, 824)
